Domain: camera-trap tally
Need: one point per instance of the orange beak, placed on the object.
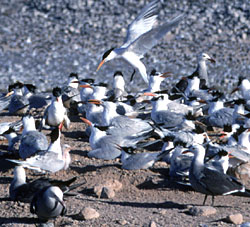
(85, 86)
(166, 74)
(95, 101)
(86, 121)
(100, 65)
(9, 94)
(149, 94)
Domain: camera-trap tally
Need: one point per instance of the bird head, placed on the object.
(107, 56)
(205, 57)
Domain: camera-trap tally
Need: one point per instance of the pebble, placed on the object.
(112, 185)
(88, 213)
(107, 193)
(202, 210)
(236, 219)
(152, 224)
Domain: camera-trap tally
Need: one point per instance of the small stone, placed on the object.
(88, 213)
(236, 219)
(107, 193)
(122, 222)
(162, 212)
(152, 224)
(202, 211)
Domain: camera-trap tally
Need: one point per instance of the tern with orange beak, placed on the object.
(141, 37)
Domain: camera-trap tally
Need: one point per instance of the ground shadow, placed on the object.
(23, 220)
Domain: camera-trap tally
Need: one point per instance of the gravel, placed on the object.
(42, 41)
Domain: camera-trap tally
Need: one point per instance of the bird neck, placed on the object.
(198, 162)
(202, 69)
(56, 146)
(154, 84)
(118, 82)
(108, 114)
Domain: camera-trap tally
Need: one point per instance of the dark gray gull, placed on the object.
(210, 181)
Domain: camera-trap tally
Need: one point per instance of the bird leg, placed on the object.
(204, 200)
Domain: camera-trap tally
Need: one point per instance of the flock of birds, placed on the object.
(192, 127)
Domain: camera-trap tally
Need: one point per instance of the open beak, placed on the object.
(100, 65)
(212, 60)
(86, 121)
(86, 86)
(166, 74)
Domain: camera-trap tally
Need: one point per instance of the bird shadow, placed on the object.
(91, 168)
(165, 205)
(79, 152)
(5, 180)
(20, 220)
(77, 135)
(6, 165)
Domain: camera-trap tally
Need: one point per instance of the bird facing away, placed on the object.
(23, 191)
(48, 203)
(141, 37)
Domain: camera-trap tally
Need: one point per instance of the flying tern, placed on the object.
(141, 37)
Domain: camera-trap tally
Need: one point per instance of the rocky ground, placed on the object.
(42, 41)
(140, 198)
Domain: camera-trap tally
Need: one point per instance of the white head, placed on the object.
(204, 57)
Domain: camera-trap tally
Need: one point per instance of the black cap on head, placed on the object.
(106, 54)
(57, 91)
(54, 134)
(241, 78)
(18, 84)
(73, 75)
(153, 72)
(88, 80)
(118, 73)
(102, 84)
(31, 87)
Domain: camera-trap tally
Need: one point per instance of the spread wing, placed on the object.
(142, 23)
(149, 39)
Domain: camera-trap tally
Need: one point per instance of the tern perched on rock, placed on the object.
(141, 37)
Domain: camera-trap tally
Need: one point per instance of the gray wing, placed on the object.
(145, 42)
(142, 23)
(140, 161)
(108, 150)
(32, 142)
